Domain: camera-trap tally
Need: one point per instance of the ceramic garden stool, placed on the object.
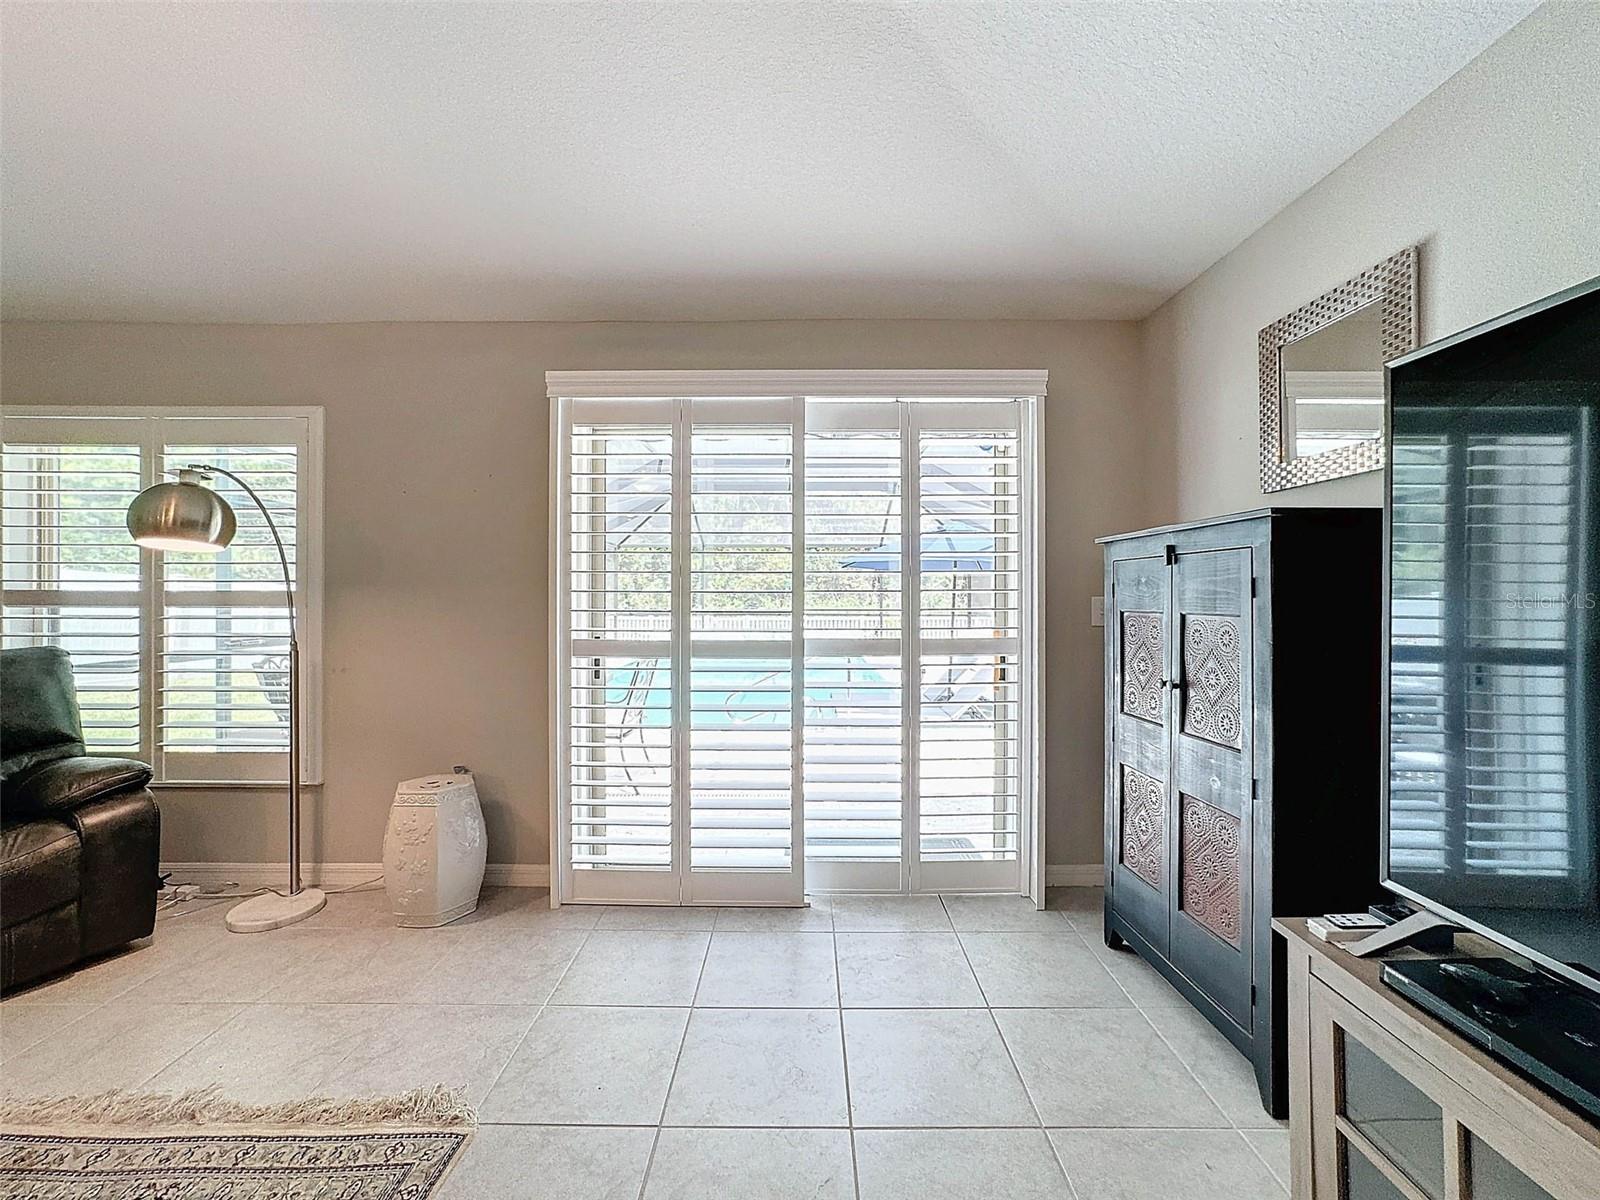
(434, 850)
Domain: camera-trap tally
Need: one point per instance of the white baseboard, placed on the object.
(518, 875)
(1074, 875)
(534, 875)
(332, 875)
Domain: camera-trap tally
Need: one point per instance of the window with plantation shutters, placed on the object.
(799, 617)
(179, 658)
(1479, 691)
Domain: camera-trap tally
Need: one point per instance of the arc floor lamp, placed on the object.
(188, 515)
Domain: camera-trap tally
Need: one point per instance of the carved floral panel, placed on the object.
(1208, 867)
(1143, 651)
(1144, 823)
(1211, 707)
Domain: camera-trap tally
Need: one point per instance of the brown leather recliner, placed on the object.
(79, 836)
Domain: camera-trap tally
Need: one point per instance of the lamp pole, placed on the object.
(294, 671)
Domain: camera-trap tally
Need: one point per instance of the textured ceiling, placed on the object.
(631, 160)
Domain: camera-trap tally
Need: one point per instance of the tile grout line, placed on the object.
(870, 1128)
(1011, 1058)
(18, 1052)
(239, 1011)
(1183, 1062)
(1262, 1158)
(1050, 1142)
(844, 1062)
(577, 950)
(240, 1008)
(989, 1010)
(1233, 1124)
(677, 1060)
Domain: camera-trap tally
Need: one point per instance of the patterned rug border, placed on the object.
(425, 1109)
(120, 1162)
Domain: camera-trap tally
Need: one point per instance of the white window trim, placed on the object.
(308, 566)
(891, 384)
(1026, 385)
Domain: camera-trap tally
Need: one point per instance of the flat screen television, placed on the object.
(1492, 669)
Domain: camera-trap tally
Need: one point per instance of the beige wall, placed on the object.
(1496, 175)
(437, 484)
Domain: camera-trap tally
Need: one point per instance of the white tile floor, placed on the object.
(942, 1048)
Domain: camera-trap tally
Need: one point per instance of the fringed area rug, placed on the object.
(199, 1146)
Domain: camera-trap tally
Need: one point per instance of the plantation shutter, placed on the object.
(743, 595)
(71, 573)
(223, 684)
(855, 532)
(622, 745)
(969, 717)
(179, 658)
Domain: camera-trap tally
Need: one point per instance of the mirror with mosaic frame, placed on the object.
(1321, 375)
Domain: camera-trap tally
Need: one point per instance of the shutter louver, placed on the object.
(621, 762)
(740, 748)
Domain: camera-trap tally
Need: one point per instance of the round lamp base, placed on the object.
(274, 910)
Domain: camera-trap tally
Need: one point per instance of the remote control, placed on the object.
(1353, 921)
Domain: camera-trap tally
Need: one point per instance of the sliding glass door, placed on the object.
(797, 637)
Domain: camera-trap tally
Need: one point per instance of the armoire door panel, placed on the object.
(1144, 658)
(1210, 870)
(1210, 835)
(1142, 828)
(1211, 673)
(1139, 841)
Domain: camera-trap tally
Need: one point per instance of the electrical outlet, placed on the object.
(1097, 611)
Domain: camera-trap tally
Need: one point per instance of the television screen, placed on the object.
(1493, 664)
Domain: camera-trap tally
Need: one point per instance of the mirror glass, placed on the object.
(1332, 381)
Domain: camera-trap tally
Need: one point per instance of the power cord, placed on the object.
(353, 887)
(183, 894)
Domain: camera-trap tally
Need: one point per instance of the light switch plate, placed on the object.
(1097, 611)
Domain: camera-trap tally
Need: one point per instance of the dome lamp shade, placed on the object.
(186, 515)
